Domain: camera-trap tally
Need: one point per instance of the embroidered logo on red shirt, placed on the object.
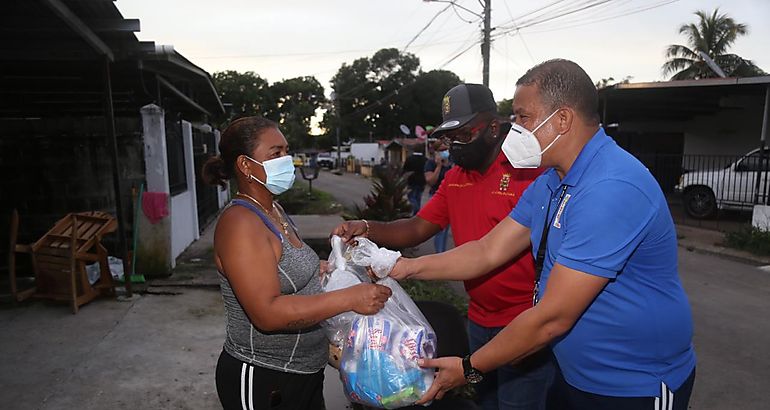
(505, 181)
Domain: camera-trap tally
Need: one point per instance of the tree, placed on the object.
(367, 91)
(376, 95)
(248, 93)
(713, 35)
(291, 103)
(295, 103)
(505, 107)
(610, 81)
(421, 102)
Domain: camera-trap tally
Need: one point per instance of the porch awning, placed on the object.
(679, 100)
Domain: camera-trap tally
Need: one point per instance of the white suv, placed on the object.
(733, 187)
(326, 160)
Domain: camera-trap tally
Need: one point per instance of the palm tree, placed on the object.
(713, 35)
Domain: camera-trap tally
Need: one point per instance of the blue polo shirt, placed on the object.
(613, 221)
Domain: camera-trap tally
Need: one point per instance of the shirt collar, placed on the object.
(578, 168)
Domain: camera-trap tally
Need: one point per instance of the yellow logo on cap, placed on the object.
(446, 105)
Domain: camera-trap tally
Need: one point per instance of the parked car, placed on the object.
(299, 159)
(732, 187)
(325, 160)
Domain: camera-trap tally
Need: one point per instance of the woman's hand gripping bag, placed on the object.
(343, 275)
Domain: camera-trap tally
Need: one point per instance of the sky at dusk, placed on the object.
(290, 38)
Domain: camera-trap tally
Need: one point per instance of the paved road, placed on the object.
(732, 331)
(349, 189)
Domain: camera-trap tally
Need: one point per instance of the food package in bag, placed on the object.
(379, 359)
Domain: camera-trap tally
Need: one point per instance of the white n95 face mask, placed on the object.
(522, 148)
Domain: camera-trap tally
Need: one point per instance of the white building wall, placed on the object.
(183, 232)
(184, 207)
(155, 155)
(153, 251)
(367, 152)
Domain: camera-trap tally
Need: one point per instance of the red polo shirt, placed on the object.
(473, 203)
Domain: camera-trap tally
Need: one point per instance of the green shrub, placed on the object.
(751, 239)
(387, 199)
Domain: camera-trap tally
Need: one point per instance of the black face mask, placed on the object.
(473, 155)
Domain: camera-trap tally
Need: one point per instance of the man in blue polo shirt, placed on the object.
(608, 298)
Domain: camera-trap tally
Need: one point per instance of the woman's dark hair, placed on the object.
(239, 138)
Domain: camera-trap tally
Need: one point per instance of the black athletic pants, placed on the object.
(563, 396)
(242, 386)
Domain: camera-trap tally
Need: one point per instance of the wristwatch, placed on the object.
(472, 376)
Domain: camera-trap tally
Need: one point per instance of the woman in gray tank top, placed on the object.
(274, 353)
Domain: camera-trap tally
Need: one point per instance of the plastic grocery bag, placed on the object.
(379, 359)
(380, 352)
(342, 276)
(367, 253)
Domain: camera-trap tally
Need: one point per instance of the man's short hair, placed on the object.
(563, 83)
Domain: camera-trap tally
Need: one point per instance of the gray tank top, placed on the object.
(294, 351)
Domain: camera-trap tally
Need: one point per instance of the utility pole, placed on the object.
(339, 120)
(486, 42)
(485, 45)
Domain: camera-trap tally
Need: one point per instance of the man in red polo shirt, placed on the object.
(473, 198)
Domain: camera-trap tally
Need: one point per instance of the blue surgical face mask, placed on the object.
(279, 173)
(444, 154)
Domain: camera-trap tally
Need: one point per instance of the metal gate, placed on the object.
(206, 195)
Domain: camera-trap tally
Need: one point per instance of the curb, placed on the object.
(733, 254)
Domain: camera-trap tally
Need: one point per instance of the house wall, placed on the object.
(184, 208)
(732, 131)
(162, 242)
(729, 132)
(367, 153)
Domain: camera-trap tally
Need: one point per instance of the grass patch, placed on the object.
(298, 201)
(750, 239)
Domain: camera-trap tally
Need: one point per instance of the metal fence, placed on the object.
(177, 175)
(204, 145)
(712, 191)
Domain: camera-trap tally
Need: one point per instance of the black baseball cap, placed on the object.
(462, 103)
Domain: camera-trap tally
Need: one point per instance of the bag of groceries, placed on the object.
(379, 367)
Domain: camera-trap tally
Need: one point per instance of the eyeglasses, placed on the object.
(463, 135)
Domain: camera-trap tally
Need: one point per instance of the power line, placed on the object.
(461, 17)
(530, 13)
(587, 12)
(380, 102)
(556, 16)
(459, 54)
(426, 27)
(521, 37)
(623, 14)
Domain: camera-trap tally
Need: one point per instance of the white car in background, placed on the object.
(732, 187)
(325, 159)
